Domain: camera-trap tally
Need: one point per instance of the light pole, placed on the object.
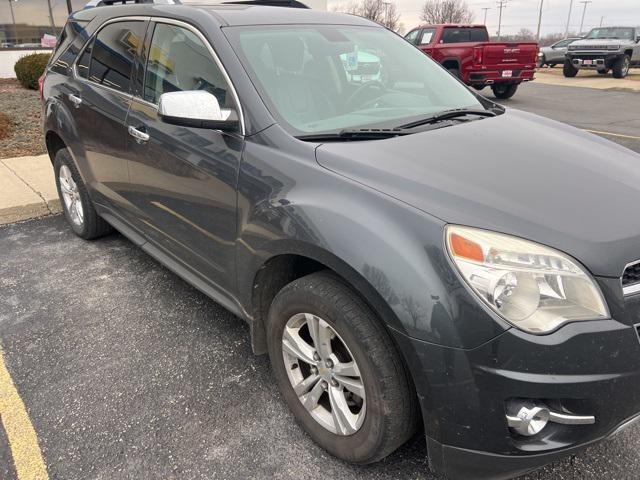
(584, 10)
(539, 20)
(69, 7)
(53, 23)
(566, 32)
(13, 19)
(485, 13)
(501, 4)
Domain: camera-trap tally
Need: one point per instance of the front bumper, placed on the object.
(595, 60)
(585, 368)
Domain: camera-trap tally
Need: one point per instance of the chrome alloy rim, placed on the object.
(71, 195)
(324, 374)
(626, 65)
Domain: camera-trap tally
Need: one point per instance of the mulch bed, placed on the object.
(22, 109)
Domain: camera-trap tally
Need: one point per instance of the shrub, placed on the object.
(30, 68)
(5, 126)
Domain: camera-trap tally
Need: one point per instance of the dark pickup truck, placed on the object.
(465, 50)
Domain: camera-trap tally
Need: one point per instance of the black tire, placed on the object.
(504, 91)
(391, 416)
(479, 87)
(91, 226)
(569, 70)
(553, 65)
(621, 66)
(454, 71)
(541, 61)
(603, 71)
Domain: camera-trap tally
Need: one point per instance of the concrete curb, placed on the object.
(599, 83)
(27, 189)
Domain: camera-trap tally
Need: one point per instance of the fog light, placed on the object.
(529, 421)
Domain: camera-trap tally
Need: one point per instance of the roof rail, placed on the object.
(103, 3)
(269, 3)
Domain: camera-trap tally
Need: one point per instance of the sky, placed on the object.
(518, 14)
(524, 14)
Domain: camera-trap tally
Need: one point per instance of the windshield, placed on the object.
(326, 78)
(619, 33)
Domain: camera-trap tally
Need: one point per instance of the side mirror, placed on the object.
(196, 108)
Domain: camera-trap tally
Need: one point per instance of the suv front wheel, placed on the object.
(339, 370)
(621, 67)
(569, 70)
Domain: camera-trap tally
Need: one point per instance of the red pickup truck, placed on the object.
(465, 50)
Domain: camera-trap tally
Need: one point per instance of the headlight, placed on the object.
(533, 287)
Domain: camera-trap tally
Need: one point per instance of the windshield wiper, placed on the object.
(356, 134)
(447, 115)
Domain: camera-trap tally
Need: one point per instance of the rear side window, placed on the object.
(82, 67)
(112, 54)
(461, 35)
(179, 60)
(72, 39)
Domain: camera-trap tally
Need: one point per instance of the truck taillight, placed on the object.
(40, 83)
(477, 55)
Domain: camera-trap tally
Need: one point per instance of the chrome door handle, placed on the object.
(76, 100)
(138, 135)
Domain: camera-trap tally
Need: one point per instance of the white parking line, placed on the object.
(631, 137)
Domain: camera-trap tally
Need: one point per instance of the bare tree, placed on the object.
(380, 11)
(524, 35)
(446, 11)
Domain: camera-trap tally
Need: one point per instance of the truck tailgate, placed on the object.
(506, 54)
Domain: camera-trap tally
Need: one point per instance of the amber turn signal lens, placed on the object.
(462, 247)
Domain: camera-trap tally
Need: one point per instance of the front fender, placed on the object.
(387, 250)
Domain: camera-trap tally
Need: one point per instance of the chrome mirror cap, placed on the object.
(196, 108)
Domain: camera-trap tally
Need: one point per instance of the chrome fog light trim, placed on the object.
(531, 420)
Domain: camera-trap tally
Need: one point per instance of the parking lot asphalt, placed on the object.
(128, 372)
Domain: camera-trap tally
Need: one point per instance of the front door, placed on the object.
(183, 179)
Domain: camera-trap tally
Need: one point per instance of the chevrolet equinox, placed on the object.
(412, 256)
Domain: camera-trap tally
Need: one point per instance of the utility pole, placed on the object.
(13, 19)
(601, 20)
(51, 20)
(566, 32)
(501, 4)
(539, 20)
(69, 7)
(584, 10)
(485, 13)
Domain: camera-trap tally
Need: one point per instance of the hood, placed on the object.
(516, 173)
(595, 42)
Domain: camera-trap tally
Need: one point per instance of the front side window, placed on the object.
(112, 54)
(427, 36)
(412, 37)
(325, 78)
(178, 60)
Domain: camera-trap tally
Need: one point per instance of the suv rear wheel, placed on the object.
(76, 204)
(504, 91)
(339, 371)
(621, 67)
(569, 70)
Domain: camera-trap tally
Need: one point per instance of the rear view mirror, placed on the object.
(196, 108)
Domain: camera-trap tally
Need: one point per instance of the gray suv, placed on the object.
(604, 49)
(412, 256)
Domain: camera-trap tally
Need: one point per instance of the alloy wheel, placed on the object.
(324, 374)
(71, 195)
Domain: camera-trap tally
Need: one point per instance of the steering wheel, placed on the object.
(358, 97)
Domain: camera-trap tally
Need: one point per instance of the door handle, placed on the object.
(76, 100)
(140, 137)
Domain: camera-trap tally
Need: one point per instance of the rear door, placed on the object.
(183, 179)
(100, 101)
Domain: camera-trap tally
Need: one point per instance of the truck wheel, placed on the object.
(603, 71)
(504, 91)
(339, 371)
(569, 70)
(621, 67)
